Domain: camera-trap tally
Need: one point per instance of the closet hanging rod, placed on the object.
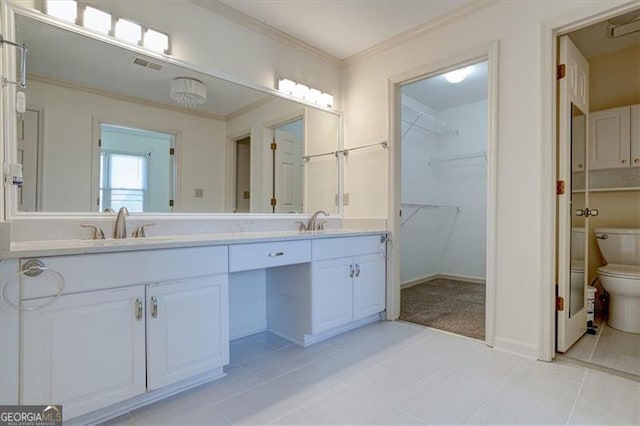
(334, 153)
(470, 156)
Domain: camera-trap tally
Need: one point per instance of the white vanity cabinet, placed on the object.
(611, 144)
(85, 351)
(350, 287)
(96, 346)
(187, 329)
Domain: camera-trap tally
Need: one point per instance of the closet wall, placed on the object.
(448, 173)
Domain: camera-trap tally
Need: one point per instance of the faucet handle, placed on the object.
(97, 233)
(321, 225)
(139, 231)
(301, 226)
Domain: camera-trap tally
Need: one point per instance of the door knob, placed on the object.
(587, 212)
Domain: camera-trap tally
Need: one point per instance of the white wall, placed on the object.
(69, 116)
(445, 241)
(518, 27)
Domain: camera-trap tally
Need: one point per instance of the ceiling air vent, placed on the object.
(147, 64)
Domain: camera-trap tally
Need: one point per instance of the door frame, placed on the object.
(488, 52)
(551, 30)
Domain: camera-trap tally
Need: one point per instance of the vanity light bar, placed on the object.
(85, 15)
(302, 91)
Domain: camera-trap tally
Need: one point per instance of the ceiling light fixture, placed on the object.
(188, 91)
(302, 91)
(128, 31)
(456, 76)
(63, 9)
(156, 41)
(97, 20)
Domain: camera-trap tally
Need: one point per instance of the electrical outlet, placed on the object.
(198, 192)
(345, 199)
(246, 195)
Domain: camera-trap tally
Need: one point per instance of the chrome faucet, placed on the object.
(313, 225)
(120, 230)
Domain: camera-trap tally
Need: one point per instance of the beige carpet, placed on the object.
(454, 306)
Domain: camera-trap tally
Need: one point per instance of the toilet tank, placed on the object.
(619, 245)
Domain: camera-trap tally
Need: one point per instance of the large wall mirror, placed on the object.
(102, 130)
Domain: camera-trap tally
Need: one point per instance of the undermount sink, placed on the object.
(127, 241)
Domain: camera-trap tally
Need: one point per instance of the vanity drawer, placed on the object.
(244, 257)
(333, 248)
(91, 272)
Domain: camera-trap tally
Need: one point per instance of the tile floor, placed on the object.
(395, 372)
(609, 348)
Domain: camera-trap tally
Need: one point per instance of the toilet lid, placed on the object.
(624, 271)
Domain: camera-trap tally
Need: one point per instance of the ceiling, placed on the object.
(437, 93)
(64, 56)
(343, 28)
(593, 40)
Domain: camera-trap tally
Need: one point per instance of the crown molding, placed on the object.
(469, 9)
(247, 21)
(75, 86)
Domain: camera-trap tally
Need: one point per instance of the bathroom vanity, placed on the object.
(134, 326)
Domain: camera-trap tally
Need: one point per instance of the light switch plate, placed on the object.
(198, 192)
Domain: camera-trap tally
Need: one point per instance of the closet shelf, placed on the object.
(470, 156)
(419, 206)
(424, 121)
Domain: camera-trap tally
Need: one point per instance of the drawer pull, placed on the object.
(276, 253)
(351, 271)
(357, 270)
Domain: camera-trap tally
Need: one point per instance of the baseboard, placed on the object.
(516, 347)
(310, 339)
(245, 333)
(465, 278)
(115, 410)
(420, 280)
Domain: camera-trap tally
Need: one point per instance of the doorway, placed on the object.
(243, 175)
(599, 194)
(443, 224)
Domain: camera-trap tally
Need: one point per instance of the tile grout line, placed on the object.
(498, 389)
(577, 398)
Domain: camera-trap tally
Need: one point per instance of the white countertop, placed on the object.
(74, 247)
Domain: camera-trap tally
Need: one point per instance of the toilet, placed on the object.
(620, 277)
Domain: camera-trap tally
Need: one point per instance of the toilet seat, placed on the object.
(620, 271)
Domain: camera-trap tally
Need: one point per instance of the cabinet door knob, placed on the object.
(357, 270)
(624, 161)
(154, 307)
(351, 271)
(138, 309)
(637, 161)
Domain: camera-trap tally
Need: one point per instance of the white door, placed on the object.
(573, 91)
(635, 135)
(609, 132)
(288, 172)
(332, 293)
(85, 351)
(187, 329)
(368, 285)
(28, 143)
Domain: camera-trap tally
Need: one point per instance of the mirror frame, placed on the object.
(8, 126)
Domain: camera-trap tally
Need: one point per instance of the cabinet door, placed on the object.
(332, 296)
(368, 286)
(635, 135)
(609, 134)
(187, 329)
(85, 351)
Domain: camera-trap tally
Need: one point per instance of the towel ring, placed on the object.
(32, 268)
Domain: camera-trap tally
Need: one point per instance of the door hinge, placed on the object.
(559, 304)
(274, 146)
(98, 201)
(273, 202)
(560, 187)
(99, 142)
(561, 71)
(172, 151)
(170, 203)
